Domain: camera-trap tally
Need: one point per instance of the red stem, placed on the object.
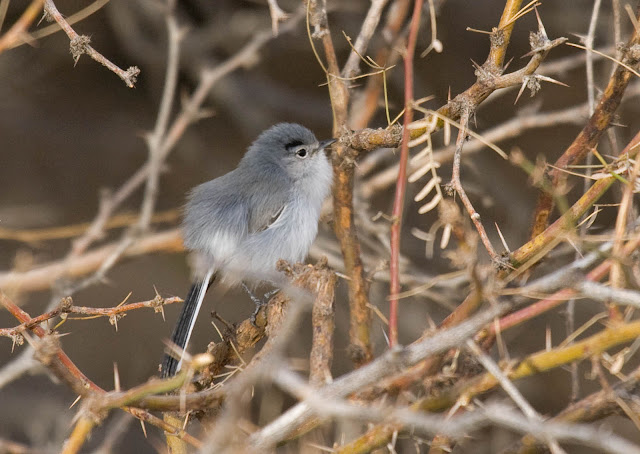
(401, 185)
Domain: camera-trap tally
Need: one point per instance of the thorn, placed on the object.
(548, 342)
(507, 65)
(386, 338)
(549, 79)
(504, 242)
(540, 25)
(144, 428)
(125, 299)
(75, 402)
(116, 377)
(524, 84)
(162, 312)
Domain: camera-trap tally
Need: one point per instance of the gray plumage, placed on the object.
(240, 224)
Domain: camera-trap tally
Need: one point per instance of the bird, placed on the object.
(237, 226)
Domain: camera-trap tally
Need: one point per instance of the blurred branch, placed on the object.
(392, 361)
(46, 275)
(17, 30)
(465, 390)
(155, 138)
(50, 353)
(53, 28)
(96, 407)
(596, 406)
(34, 236)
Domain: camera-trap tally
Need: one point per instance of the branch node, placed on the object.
(79, 45)
(66, 304)
(130, 76)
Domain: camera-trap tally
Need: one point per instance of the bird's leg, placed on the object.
(267, 296)
(257, 301)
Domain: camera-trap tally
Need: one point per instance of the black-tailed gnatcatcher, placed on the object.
(240, 224)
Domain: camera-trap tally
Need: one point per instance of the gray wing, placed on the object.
(267, 201)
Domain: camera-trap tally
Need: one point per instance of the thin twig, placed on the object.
(80, 45)
(401, 185)
(367, 30)
(155, 138)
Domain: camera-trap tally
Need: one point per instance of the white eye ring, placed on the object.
(302, 153)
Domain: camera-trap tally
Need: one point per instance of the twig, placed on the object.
(277, 15)
(283, 320)
(20, 365)
(80, 45)
(366, 103)
(51, 354)
(66, 307)
(508, 386)
(155, 138)
(594, 407)
(456, 185)
(398, 201)
(558, 297)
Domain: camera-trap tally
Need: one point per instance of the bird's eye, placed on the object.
(301, 153)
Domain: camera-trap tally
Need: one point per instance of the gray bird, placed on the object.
(240, 224)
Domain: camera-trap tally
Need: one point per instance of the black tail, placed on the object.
(185, 323)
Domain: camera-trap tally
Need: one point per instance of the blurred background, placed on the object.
(69, 132)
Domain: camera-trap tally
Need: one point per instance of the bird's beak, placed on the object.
(325, 143)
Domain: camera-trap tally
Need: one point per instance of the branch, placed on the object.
(17, 30)
(66, 307)
(360, 349)
(80, 45)
(46, 275)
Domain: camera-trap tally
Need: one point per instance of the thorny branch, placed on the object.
(80, 45)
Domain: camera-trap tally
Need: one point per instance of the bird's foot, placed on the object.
(259, 302)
